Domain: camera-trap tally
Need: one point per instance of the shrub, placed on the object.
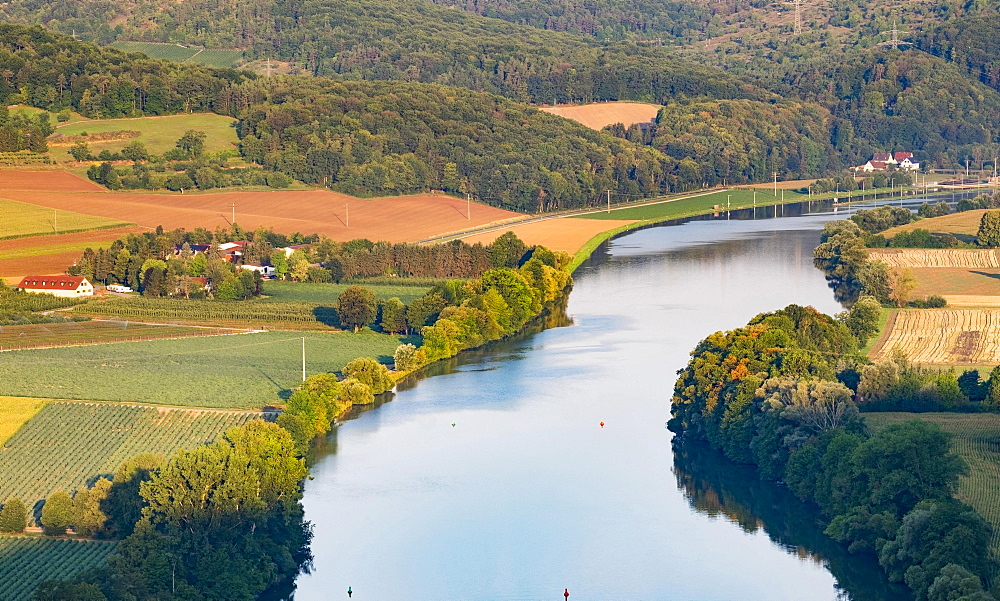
(57, 514)
(13, 516)
(371, 373)
(356, 393)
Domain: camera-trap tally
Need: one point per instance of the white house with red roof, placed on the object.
(66, 286)
(905, 161)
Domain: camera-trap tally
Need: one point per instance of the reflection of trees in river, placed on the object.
(719, 488)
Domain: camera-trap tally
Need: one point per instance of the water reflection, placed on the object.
(719, 488)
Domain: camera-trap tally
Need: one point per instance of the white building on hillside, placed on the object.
(66, 286)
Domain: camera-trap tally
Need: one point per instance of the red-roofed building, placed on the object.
(66, 286)
(874, 166)
(901, 156)
(882, 157)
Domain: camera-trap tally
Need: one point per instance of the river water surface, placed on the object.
(494, 480)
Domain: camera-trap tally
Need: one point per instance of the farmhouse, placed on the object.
(883, 161)
(66, 286)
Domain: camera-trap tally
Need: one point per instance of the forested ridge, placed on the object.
(365, 138)
(403, 40)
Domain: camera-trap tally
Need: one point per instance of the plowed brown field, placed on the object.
(56, 261)
(602, 114)
(558, 234)
(53, 181)
(342, 217)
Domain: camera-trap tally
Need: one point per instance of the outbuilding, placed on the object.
(66, 286)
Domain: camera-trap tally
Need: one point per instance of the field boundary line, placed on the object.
(884, 334)
(181, 408)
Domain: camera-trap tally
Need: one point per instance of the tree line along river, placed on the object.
(495, 480)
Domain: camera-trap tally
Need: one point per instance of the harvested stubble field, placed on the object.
(67, 445)
(341, 217)
(899, 258)
(27, 561)
(600, 115)
(965, 223)
(943, 336)
(566, 234)
(237, 372)
(976, 437)
(95, 332)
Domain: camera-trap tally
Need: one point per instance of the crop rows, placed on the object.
(95, 332)
(67, 445)
(976, 438)
(943, 257)
(945, 337)
(24, 158)
(26, 562)
(169, 309)
(25, 302)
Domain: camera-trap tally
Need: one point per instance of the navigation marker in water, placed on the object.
(452, 424)
(602, 424)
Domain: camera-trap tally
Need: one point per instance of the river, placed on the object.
(495, 480)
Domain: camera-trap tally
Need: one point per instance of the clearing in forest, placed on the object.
(976, 438)
(942, 336)
(236, 372)
(601, 114)
(212, 57)
(158, 134)
(68, 445)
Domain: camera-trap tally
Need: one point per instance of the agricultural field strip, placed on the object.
(933, 336)
(248, 372)
(173, 332)
(23, 219)
(27, 561)
(66, 445)
(976, 437)
(944, 257)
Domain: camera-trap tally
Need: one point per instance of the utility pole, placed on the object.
(303, 358)
(609, 201)
(234, 212)
(775, 174)
(347, 216)
(468, 206)
(55, 220)
(895, 42)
